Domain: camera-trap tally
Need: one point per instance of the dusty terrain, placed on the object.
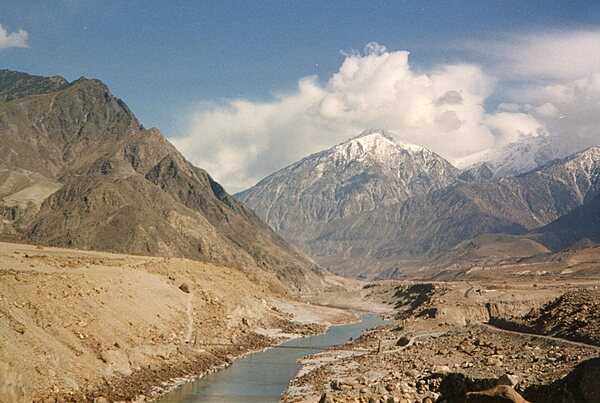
(79, 325)
(440, 347)
(84, 326)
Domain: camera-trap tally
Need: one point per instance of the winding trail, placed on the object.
(540, 336)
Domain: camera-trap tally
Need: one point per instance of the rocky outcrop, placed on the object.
(579, 386)
(574, 316)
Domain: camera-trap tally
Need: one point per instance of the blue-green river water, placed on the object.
(263, 376)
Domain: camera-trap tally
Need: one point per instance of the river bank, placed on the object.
(81, 326)
(263, 376)
(343, 304)
(441, 349)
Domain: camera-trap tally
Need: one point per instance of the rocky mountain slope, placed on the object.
(363, 174)
(370, 205)
(438, 221)
(515, 158)
(581, 226)
(77, 169)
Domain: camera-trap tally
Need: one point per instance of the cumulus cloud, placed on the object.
(569, 110)
(554, 82)
(442, 108)
(16, 39)
(243, 141)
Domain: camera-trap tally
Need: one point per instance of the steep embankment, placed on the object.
(574, 316)
(77, 325)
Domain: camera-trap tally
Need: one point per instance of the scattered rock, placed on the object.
(19, 328)
(335, 385)
(185, 288)
(499, 394)
(508, 380)
(403, 341)
(440, 370)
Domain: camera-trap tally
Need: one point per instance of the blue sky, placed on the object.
(163, 56)
(244, 88)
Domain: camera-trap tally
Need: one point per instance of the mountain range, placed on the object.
(78, 170)
(409, 205)
(366, 173)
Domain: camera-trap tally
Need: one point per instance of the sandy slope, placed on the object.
(79, 325)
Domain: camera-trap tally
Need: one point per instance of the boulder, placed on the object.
(499, 394)
(403, 341)
(508, 380)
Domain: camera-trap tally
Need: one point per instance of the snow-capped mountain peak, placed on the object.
(514, 158)
(364, 173)
(375, 144)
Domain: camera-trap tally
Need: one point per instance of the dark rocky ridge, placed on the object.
(78, 170)
(14, 84)
(579, 227)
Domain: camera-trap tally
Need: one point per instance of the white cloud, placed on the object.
(570, 111)
(243, 141)
(548, 85)
(513, 126)
(556, 55)
(558, 86)
(16, 39)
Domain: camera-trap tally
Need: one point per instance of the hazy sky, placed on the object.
(246, 87)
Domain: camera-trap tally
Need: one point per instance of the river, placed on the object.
(263, 376)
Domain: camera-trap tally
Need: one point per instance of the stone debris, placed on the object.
(448, 363)
(185, 288)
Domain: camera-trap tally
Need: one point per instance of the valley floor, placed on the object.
(441, 346)
(90, 326)
(80, 326)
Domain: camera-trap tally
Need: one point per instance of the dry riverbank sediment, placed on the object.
(80, 326)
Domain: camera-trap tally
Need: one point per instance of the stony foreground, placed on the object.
(439, 349)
